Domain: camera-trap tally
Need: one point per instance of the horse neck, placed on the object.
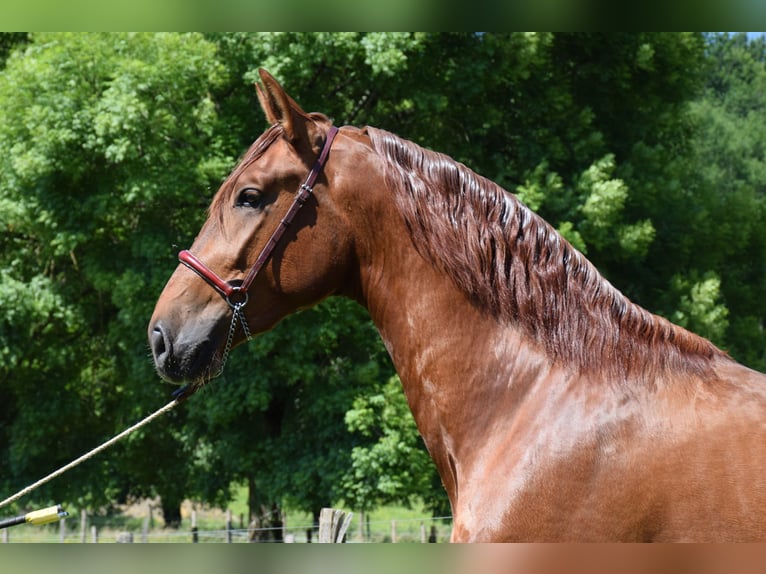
(460, 368)
(475, 374)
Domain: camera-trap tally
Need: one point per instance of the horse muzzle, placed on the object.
(184, 358)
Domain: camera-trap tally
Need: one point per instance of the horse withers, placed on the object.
(553, 407)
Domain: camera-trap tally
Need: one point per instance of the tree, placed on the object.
(9, 41)
(726, 239)
(391, 466)
(132, 139)
(100, 134)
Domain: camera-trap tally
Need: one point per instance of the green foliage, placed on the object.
(539, 186)
(725, 235)
(699, 308)
(8, 42)
(603, 209)
(276, 416)
(393, 467)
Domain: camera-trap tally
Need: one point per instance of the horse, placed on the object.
(554, 408)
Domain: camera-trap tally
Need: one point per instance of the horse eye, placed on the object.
(250, 197)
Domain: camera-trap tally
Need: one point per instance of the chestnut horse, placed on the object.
(553, 407)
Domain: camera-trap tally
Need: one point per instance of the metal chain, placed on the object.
(237, 315)
(245, 326)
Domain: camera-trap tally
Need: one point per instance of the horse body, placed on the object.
(553, 407)
(530, 450)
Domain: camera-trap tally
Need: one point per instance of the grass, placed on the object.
(144, 522)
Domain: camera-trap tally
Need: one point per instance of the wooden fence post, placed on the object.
(124, 538)
(333, 525)
(228, 526)
(62, 529)
(93, 534)
(393, 531)
(83, 526)
(194, 529)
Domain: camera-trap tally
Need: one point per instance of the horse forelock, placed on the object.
(518, 268)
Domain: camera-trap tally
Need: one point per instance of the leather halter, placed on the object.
(237, 295)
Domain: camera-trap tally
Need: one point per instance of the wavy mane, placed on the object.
(515, 266)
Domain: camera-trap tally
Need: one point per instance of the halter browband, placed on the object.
(226, 289)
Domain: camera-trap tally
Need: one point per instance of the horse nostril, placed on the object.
(164, 346)
(158, 343)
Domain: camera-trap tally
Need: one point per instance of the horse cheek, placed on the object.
(319, 273)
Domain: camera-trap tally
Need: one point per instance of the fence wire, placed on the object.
(404, 530)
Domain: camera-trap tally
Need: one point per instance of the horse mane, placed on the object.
(514, 265)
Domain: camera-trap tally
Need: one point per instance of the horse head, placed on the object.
(249, 263)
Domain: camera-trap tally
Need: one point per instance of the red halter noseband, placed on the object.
(239, 292)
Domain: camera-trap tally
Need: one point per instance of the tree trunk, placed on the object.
(265, 517)
(171, 512)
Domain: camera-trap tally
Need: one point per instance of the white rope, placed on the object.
(90, 454)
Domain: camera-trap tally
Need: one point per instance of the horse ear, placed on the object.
(280, 108)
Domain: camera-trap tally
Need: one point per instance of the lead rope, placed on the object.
(180, 395)
(91, 453)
